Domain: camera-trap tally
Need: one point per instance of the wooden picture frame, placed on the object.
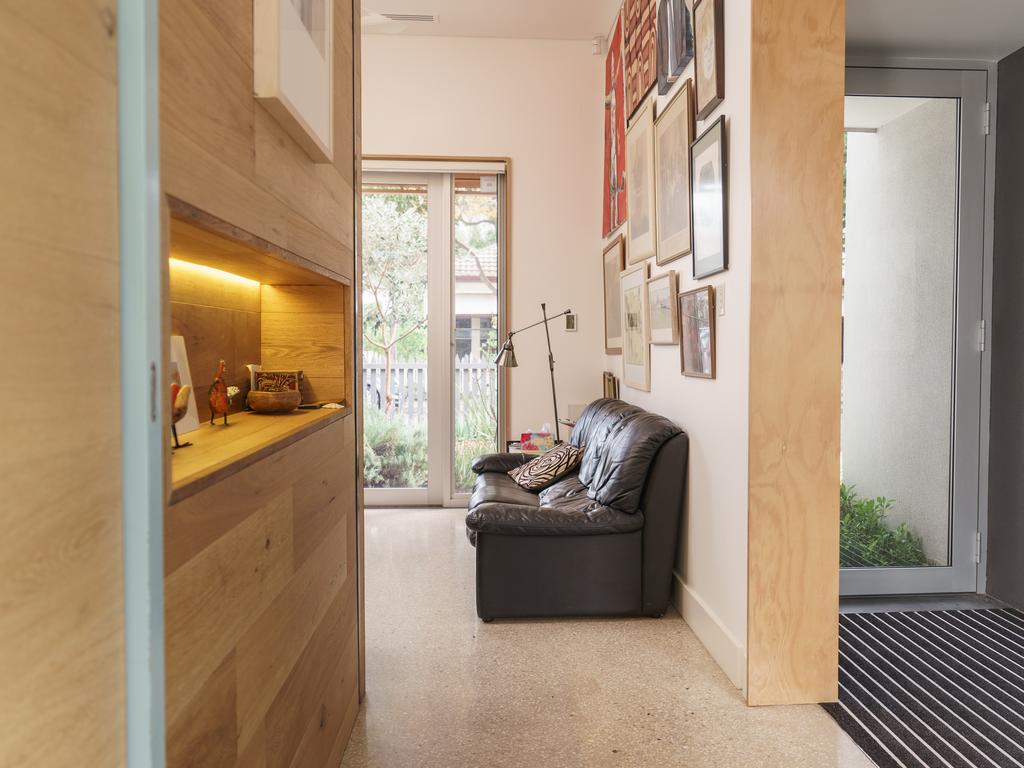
(709, 56)
(673, 135)
(614, 263)
(642, 224)
(696, 310)
(293, 73)
(709, 201)
(636, 347)
(662, 308)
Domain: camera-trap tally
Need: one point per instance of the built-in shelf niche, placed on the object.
(239, 299)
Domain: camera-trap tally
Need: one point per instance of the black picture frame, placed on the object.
(675, 42)
(709, 200)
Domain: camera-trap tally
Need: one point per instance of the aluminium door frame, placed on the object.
(440, 490)
(142, 261)
(432, 494)
(970, 87)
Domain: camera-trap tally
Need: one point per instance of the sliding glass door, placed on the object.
(912, 306)
(476, 281)
(432, 282)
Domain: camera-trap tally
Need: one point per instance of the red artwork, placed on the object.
(641, 31)
(615, 208)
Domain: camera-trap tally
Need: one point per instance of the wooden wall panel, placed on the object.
(219, 319)
(797, 93)
(260, 599)
(61, 583)
(355, 344)
(224, 154)
(305, 328)
(281, 658)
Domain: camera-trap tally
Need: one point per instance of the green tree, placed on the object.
(394, 274)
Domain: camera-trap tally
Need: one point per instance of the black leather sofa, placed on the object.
(600, 541)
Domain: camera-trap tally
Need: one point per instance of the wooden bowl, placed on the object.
(274, 402)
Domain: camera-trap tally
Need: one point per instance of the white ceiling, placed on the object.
(961, 29)
(538, 19)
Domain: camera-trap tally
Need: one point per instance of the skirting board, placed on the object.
(729, 654)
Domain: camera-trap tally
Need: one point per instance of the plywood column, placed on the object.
(796, 156)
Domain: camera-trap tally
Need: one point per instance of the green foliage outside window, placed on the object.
(867, 539)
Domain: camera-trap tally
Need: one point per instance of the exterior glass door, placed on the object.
(912, 305)
(432, 276)
(396, 261)
(475, 238)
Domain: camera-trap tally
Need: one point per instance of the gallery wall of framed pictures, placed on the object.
(665, 183)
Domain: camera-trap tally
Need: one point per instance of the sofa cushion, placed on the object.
(593, 428)
(498, 487)
(580, 517)
(547, 468)
(563, 492)
(499, 462)
(619, 472)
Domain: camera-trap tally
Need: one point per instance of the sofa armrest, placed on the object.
(499, 462)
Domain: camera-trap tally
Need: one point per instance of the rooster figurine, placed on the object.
(179, 406)
(220, 403)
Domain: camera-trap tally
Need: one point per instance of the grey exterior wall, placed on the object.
(1006, 446)
(898, 317)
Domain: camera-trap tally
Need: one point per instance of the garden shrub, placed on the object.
(866, 537)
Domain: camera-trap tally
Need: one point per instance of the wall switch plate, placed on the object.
(720, 299)
(570, 322)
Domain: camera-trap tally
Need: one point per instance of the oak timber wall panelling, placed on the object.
(219, 320)
(796, 154)
(304, 328)
(61, 583)
(260, 579)
(260, 611)
(224, 154)
(355, 349)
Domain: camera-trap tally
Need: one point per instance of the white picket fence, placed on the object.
(473, 381)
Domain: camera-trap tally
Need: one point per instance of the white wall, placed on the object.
(898, 309)
(541, 104)
(711, 588)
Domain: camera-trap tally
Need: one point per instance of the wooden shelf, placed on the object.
(218, 452)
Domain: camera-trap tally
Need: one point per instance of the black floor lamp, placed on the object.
(507, 356)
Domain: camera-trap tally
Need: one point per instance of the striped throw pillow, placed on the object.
(539, 473)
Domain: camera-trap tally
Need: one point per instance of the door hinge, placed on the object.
(982, 334)
(977, 547)
(986, 118)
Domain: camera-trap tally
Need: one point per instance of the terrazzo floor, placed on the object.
(446, 690)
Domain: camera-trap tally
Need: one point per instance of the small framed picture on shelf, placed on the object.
(642, 225)
(278, 381)
(709, 42)
(661, 303)
(697, 332)
(709, 206)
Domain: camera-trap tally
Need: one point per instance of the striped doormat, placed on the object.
(933, 688)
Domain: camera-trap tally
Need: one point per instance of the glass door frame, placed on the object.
(438, 177)
(970, 88)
